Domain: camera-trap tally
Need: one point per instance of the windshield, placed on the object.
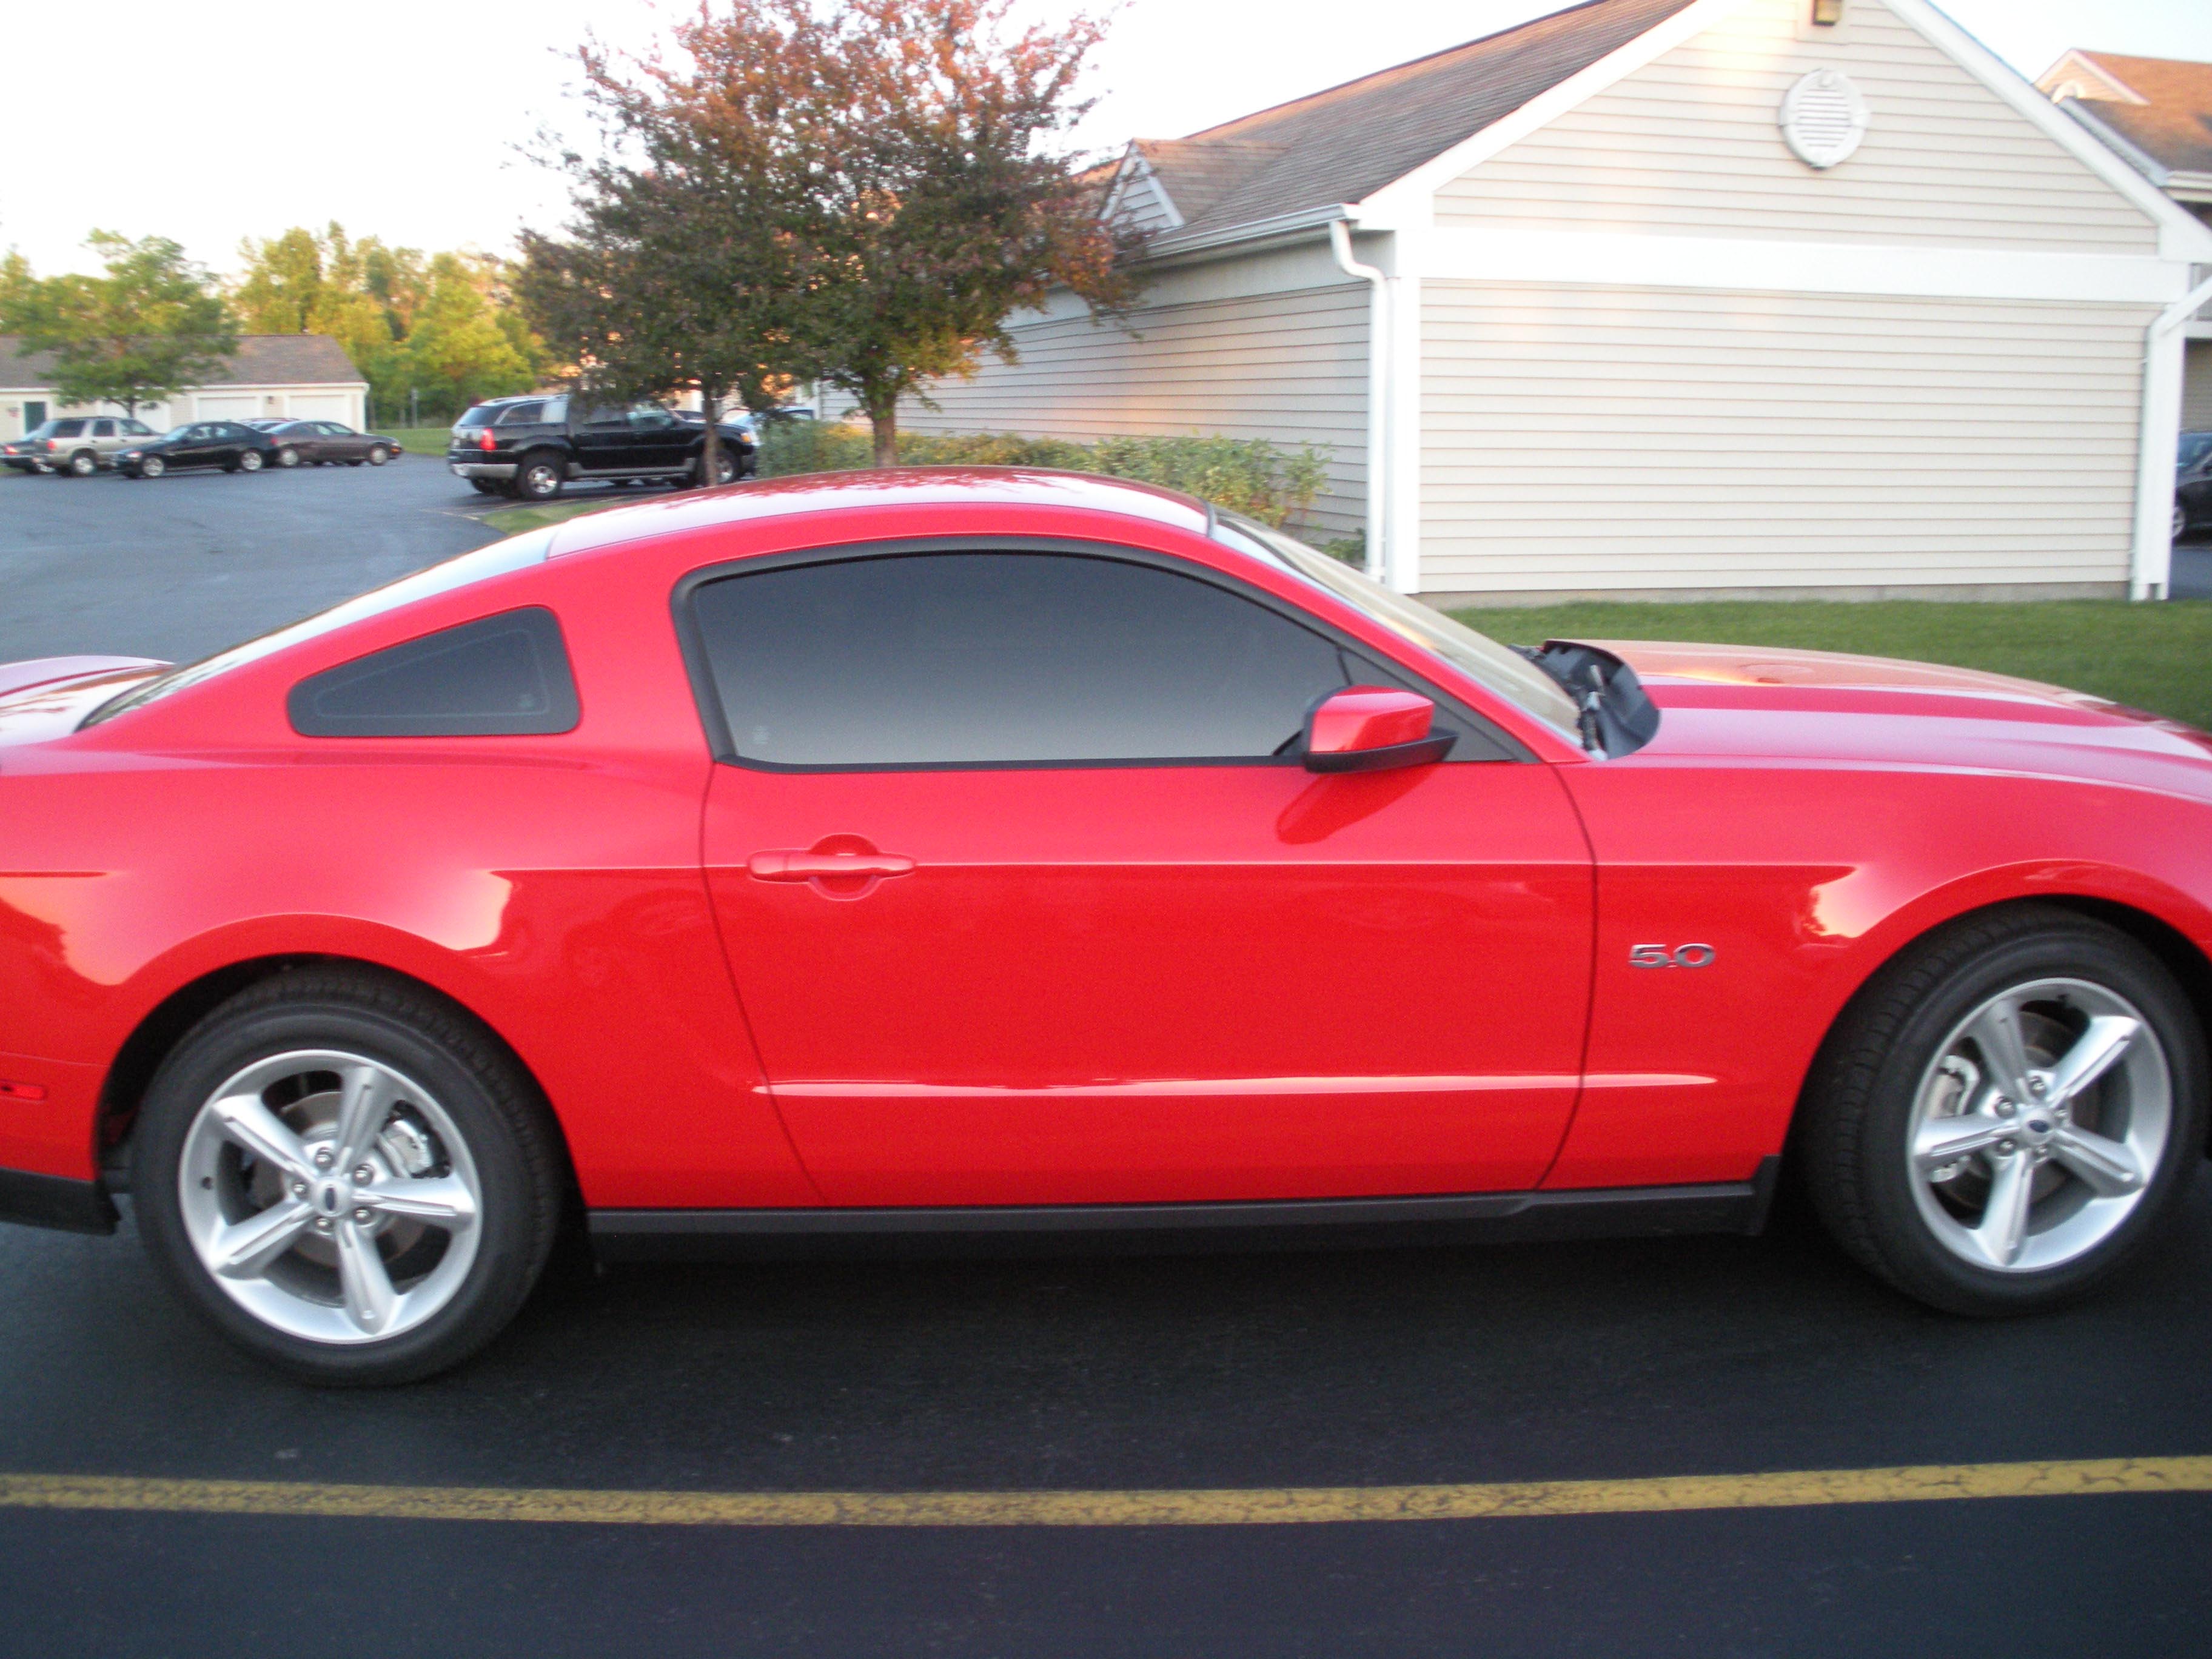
(496, 560)
(1480, 658)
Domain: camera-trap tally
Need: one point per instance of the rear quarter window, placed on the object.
(501, 676)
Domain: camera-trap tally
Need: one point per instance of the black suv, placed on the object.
(529, 446)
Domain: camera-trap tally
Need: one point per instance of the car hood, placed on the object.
(1825, 706)
(45, 697)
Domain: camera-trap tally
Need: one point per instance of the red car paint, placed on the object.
(750, 987)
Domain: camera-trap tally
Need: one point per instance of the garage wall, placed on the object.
(1288, 366)
(1691, 143)
(1585, 438)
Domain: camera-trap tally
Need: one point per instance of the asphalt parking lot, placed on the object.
(176, 567)
(1256, 1375)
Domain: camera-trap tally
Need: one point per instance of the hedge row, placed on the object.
(1249, 475)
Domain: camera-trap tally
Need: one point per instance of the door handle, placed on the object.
(791, 864)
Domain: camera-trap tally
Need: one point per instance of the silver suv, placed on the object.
(77, 445)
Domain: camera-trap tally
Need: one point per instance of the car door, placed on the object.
(660, 441)
(602, 439)
(197, 448)
(1105, 940)
(339, 443)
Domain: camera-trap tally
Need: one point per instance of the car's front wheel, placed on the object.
(153, 466)
(2009, 1113)
(726, 468)
(2180, 521)
(378, 455)
(348, 1178)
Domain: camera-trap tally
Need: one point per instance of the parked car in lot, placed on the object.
(75, 447)
(2192, 485)
(529, 446)
(231, 445)
(1090, 863)
(327, 443)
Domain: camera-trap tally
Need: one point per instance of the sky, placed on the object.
(409, 119)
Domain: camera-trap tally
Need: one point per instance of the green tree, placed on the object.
(151, 326)
(373, 298)
(678, 273)
(456, 350)
(891, 179)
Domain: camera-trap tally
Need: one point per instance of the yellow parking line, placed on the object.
(1235, 1507)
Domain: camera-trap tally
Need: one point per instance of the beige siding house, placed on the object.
(2155, 113)
(1664, 297)
(302, 376)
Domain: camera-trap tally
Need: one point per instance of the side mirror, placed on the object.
(1371, 728)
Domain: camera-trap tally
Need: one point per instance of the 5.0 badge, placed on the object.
(1680, 956)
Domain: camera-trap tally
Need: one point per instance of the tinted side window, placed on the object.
(68, 429)
(500, 675)
(979, 659)
(523, 415)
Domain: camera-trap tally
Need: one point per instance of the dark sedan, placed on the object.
(230, 445)
(327, 443)
(2192, 485)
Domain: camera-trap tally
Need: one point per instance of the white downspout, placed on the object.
(2151, 564)
(1379, 529)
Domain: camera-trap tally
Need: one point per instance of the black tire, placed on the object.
(249, 460)
(498, 1111)
(152, 467)
(378, 455)
(538, 478)
(82, 464)
(1851, 1140)
(726, 471)
(288, 457)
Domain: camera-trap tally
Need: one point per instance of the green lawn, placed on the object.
(513, 520)
(420, 440)
(2149, 656)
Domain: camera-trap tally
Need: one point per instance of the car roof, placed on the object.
(892, 487)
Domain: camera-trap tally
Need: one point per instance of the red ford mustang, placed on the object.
(945, 855)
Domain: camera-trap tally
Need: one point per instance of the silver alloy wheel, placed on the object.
(249, 460)
(379, 455)
(2039, 1125)
(153, 466)
(84, 464)
(287, 456)
(331, 1197)
(2180, 521)
(541, 480)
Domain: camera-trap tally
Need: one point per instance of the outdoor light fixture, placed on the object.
(1827, 13)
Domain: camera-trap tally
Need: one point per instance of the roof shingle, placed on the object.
(2174, 128)
(260, 360)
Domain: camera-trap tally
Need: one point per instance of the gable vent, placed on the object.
(1823, 117)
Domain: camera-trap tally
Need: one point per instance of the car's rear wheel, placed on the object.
(348, 1178)
(2009, 1114)
(153, 466)
(249, 460)
(378, 455)
(84, 464)
(2180, 521)
(288, 457)
(537, 479)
